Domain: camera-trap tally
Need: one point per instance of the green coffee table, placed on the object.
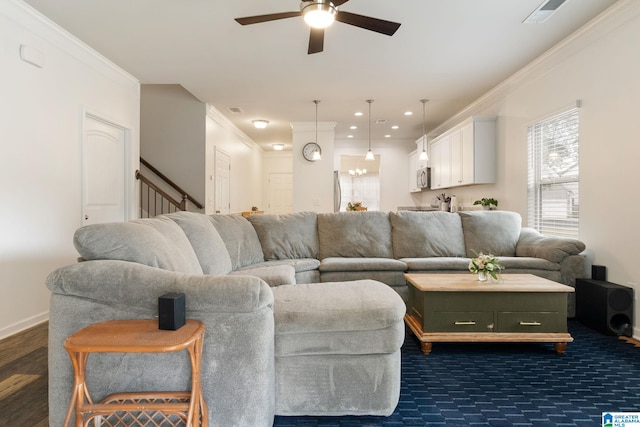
(459, 308)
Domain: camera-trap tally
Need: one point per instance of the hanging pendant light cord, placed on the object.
(316, 102)
(369, 101)
(424, 119)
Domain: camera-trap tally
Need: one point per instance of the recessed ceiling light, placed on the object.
(387, 136)
(358, 113)
(353, 127)
(260, 124)
(394, 127)
(349, 136)
(408, 113)
(278, 147)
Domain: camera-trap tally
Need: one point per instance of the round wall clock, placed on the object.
(308, 150)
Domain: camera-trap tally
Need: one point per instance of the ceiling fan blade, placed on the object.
(316, 40)
(265, 18)
(337, 3)
(373, 24)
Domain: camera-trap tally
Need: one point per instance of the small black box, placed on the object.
(171, 311)
(599, 272)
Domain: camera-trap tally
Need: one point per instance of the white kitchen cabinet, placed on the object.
(440, 163)
(413, 168)
(466, 154)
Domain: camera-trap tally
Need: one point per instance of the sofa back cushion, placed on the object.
(156, 242)
(491, 232)
(240, 238)
(206, 242)
(355, 234)
(426, 234)
(290, 236)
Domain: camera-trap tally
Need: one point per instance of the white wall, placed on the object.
(246, 163)
(313, 181)
(599, 65)
(394, 165)
(40, 168)
(172, 136)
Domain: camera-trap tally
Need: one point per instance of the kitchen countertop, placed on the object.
(417, 208)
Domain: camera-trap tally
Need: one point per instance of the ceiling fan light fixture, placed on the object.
(319, 13)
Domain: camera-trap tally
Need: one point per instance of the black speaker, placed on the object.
(171, 311)
(605, 307)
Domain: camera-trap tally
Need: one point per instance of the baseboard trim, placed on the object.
(24, 324)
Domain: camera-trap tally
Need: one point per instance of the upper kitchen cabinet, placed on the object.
(466, 154)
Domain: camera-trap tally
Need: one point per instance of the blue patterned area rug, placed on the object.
(507, 384)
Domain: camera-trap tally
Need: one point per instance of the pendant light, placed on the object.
(423, 154)
(316, 154)
(369, 155)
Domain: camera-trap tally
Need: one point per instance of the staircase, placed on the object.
(156, 198)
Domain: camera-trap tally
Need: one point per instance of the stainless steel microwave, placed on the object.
(423, 178)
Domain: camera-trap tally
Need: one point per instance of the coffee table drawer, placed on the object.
(460, 321)
(546, 321)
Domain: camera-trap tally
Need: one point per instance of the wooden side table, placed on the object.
(137, 336)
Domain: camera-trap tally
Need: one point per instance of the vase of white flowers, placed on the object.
(485, 266)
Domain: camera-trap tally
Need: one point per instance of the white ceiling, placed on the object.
(449, 51)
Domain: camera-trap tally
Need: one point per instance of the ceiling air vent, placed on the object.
(544, 11)
(235, 110)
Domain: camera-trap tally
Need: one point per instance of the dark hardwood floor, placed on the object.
(24, 378)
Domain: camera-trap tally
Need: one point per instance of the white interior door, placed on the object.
(222, 178)
(103, 172)
(280, 193)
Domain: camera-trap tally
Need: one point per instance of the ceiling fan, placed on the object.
(319, 14)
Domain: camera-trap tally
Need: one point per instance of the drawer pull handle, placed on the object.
(459, 323)
(530, 323)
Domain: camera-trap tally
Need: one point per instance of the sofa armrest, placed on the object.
(137, 285)
(533, 244)
(237, 369)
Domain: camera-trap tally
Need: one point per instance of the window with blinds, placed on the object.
(553, 182)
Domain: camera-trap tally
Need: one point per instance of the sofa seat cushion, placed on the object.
(361, 264)
(528, 263)
(156, 242)
(293, 235)
(355, 234)
(491, 232)
(426, 234)
(438, 263)
(299, 265)
(274, 275)
(360, 317)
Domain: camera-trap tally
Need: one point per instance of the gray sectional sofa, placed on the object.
(303, 311)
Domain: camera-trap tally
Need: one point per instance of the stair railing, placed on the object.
(155, 200)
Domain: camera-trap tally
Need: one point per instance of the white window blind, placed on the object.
(553, 181)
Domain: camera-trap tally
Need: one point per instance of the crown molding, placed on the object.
(612, 18)
(51, 33)
(214, 114)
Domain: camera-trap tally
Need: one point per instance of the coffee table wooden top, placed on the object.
(469, 283)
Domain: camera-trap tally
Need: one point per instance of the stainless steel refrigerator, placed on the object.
(337, 191)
